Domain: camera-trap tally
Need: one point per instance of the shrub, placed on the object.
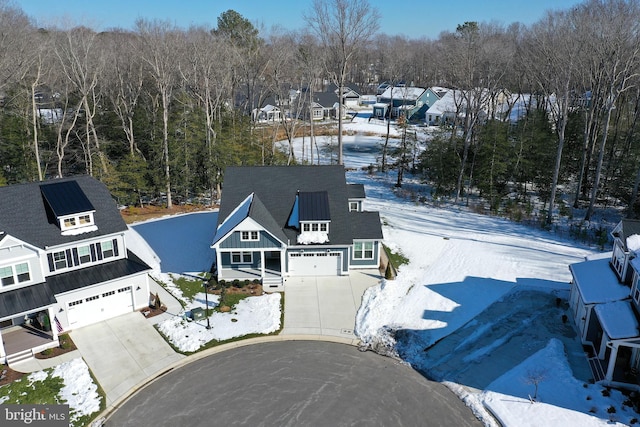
(65, 342)
(46, 352)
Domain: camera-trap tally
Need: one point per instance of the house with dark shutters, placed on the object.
(277, 222)
(64, 263)
(605, 304)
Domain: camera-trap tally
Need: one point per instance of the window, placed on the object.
(93, 298)
(107, 249)
(323, 227)
(314, 227)
(69, 222)
(125, 289)
(60, 260)
(248, 235)
(6, 276)
(241, 257)
(84, 219)
(72, 303)
(306, 227)
(84, 254)
(363, 250)
(22, 271)
(108, 294)
(354, 206)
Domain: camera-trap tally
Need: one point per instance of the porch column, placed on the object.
(262, 264)
(612, 362)
(283, 254)
(3, 353)
(219, 264)
(52, 322)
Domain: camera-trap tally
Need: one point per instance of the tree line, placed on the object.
(158, 112)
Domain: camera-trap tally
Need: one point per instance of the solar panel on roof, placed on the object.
(66, 198)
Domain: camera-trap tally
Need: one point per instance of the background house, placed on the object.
(605, 304)
(282, 221)
(408, 101)
(64, 263)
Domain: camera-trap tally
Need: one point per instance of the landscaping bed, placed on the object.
(66, 345)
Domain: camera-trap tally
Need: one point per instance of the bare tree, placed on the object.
(343, 28)
(552, 48)
(160, 42)
(81, 62)
(615, 42)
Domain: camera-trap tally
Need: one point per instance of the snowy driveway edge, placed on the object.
(104, 415)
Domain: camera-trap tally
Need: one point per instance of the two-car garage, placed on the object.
(315, 263)
(99, 306)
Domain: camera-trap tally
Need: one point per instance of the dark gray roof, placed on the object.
(23, 212)
(276, 188)
(313, 206)
(77, 279)
(356, 191)
(65, 198)
(366, 225)
(25, 299)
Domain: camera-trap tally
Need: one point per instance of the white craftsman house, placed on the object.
(605, 304)
(64, 263)
(281, 221)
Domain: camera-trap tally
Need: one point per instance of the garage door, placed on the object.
(315, 263)
(100, 306)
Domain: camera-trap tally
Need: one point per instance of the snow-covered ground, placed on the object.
(468, 277)
(177, 247)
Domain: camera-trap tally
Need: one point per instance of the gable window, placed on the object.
(6, 276)
(60, 260)
(363, 250)
(18, 273)
(22, 272)
(241, 257)
(84, 254)
(248, 235)
(354, 206)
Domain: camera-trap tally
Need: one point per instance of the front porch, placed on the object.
(23, 342)
(271, 280)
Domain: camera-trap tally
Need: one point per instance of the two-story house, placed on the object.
(605, 304)
(408, 101)
(282, 221)
(64, 263)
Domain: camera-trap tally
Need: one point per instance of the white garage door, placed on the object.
(100, 306)
(315, 263)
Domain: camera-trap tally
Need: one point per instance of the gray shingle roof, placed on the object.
(356, 191)
(277, 186)
(366, 225)
(23, 212)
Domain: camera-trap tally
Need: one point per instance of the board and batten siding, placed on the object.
(366, 262)
(265, 241)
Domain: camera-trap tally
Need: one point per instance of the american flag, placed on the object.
(58, 325)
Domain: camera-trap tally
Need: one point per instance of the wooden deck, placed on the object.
(23, 338)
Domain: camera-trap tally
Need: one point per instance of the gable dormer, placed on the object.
(626, 243)
(68, 207)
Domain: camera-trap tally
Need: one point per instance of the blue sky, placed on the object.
(413, 18)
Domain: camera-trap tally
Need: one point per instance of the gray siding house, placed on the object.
(282, 221)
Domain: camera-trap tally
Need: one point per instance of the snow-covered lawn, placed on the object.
(252, 315)
(78, 390)
(182, 245)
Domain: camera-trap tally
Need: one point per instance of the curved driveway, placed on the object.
(294, 383)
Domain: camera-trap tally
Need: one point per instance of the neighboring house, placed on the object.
(445, 110)
(267, 114)
(605, 304)
(64, 263)
(407, 101)
(277, 222)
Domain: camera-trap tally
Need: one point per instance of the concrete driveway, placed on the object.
(325, 305)
(122, 352)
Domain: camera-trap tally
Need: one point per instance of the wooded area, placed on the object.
(158, 112)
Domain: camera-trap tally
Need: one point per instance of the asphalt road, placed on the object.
(294, 383)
